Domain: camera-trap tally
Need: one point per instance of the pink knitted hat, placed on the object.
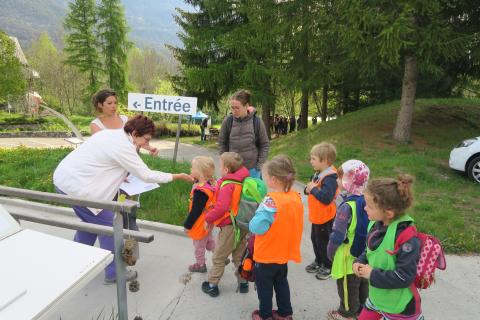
(355, 176)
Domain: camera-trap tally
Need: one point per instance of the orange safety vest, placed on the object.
(281, 242)
(319, 213)
(198, 230)
(237, 192)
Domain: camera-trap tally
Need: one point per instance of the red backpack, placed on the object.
(431, 256)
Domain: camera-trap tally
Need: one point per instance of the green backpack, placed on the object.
(253, 192)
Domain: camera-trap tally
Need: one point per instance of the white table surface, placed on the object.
(39, 271)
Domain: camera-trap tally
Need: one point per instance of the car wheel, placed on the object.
(473, 169)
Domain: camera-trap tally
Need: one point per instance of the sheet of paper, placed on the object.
(136, 186)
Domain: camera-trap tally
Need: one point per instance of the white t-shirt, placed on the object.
(100, 124)
(97, 168)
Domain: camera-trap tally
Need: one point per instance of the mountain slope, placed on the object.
(151, 21)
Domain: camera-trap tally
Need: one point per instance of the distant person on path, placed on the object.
(390, 276)
(347, 240)
(278, 227)
(227, 198)
(201, 200)
(314, 120)
(299, 122)
(203, 127)
(292, 124)
(244, 133)
(322, 191)
(97, 168)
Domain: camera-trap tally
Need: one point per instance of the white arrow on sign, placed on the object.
(162, 104)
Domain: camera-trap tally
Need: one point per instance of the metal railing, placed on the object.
(117, 230)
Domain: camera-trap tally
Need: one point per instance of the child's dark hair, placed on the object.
(390, 194)
(281, 167)
(101, 96)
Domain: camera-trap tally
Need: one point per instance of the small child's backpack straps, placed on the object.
(406, 235)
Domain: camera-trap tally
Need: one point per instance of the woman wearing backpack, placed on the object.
(391, 275)
(244, 133)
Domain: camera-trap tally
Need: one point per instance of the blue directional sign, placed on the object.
(162, 104)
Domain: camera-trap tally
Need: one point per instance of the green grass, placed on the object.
(212, 144)
(33, 169)
(47, 123)
(447, 204)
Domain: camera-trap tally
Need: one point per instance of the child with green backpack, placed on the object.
(222, 215)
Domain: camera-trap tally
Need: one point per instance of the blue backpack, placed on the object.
(361, 230)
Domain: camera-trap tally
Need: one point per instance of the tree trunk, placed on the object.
(304, 110)
(345, 102)
(315, 99)
(324, 103)
(356, 99)
(403, 127)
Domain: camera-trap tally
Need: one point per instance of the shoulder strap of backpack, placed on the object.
(228, 128)
(225, 182)
(406, 235)
(256, 129)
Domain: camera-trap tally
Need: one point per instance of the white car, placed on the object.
(465, 157)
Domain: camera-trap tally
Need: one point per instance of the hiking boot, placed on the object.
(312, 267)
(335, 315)
(243, 287)
(201, 268)
(212, 291)
(129, 276)
(323, 273)
(256, 316)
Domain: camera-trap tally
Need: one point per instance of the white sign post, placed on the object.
(164, 104)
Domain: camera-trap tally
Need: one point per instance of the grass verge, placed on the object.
(33, 169)
(446, 203)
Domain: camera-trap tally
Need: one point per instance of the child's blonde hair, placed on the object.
(390, 194)
(231, 161)
(205, 165)
(281, 167)
(324, 151)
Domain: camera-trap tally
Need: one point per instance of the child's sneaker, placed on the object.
(323, 273)
(202, 268)
(335, 315)
(256, 316)
(212, 291)
(312, 267)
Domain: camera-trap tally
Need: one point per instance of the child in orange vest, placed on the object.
(278, 227)
(322, 191)
(227, 199)
(201, 199)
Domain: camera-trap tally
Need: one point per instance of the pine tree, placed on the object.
(112, 33)
(412, 34)
(209, 59)
(81, 44)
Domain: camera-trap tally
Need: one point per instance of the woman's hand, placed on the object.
(183, 176)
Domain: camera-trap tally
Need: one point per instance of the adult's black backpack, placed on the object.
(256, 128)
